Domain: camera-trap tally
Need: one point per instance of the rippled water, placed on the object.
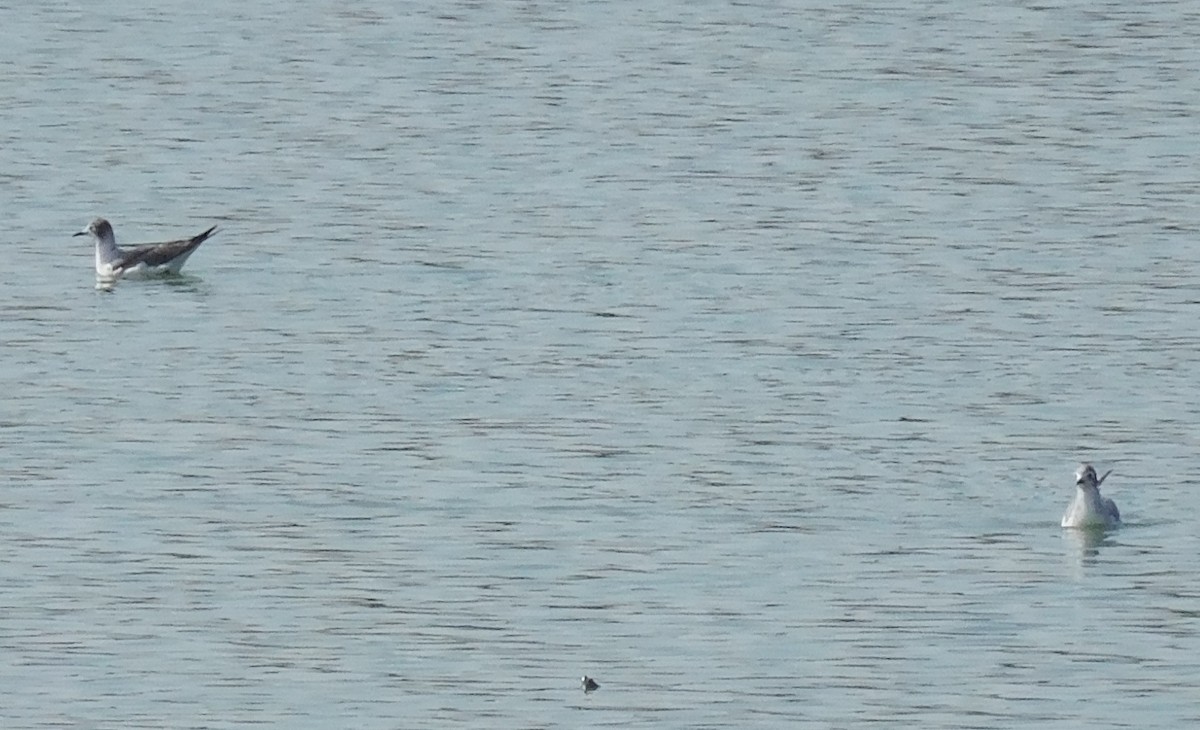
(737, 355)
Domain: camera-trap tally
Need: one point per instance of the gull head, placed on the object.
(1085, 476)
(100, 229)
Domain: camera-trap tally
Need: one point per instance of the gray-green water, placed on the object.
(738, 355)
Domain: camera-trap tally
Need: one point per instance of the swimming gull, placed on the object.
(1088, 508)
(113, 261)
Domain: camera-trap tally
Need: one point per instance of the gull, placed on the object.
(113, 261)
(1088, 508)
(589, 684)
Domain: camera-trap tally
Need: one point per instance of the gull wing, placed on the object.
(160, 254)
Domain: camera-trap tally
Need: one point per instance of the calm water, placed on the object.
(738, 355)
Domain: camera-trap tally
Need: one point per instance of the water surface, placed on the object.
(737, 355)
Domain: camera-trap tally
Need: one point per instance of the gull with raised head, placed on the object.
(147, 259)
(1088, 508)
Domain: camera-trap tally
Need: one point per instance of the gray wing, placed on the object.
(158, 254)
(1111, 506)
